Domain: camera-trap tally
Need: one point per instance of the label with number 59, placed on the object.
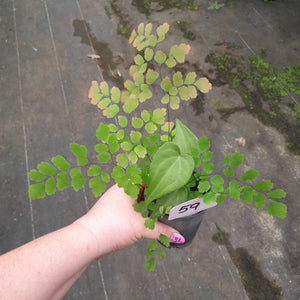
(189, 208)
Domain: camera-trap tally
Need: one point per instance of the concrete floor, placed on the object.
(45, 73)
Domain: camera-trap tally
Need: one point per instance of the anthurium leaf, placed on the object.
(61, 163)
(130, 105)
(115, 94)
(104, 88)
(164, 240)
(249, 175)
(204, 144)
(36, 191)
(166, 84)
(277, 194)
(46, 169)
(277, 209)
(122, 160)
(77, 179)
(169, 170)
(160, 57)
(172, 199)
(179, 52)
(137, 123)
(62, 181)
(148, 54)
(265, 185)
(236, 159)
(184, 138)
(150, 264)
(36, 176)
(97, 186)
(174, 102)
(203, 85)
(50, 186)
(190, 78)
(102, 132)
(151, 76)
(177, 79)
(94, 170)
(259, 200)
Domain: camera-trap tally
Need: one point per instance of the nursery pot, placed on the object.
(186, 226)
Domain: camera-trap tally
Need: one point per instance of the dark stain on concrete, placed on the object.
(106, 61)
(255, 282)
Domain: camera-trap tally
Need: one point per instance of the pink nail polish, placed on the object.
(177, 238)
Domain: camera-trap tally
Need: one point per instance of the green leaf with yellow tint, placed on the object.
(203, 85)
(160, 57)
(177, 79)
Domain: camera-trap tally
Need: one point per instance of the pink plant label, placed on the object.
(189, 208)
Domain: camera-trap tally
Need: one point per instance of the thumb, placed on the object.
(171, 233)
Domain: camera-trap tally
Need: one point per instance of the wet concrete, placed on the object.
(45, 73)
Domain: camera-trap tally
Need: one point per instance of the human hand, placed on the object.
(115, 225)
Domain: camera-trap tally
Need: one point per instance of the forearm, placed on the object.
(45, 268)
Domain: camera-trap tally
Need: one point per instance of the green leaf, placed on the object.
(126, 146)
(111, 111)
(190, 78)
(259, 200)
(150, 127)
(247, 195)
(236, 159)
(97, 186)
(113, 143)
(122, 160)
(50, 187)
(217, 180)
(150, 264)
(46, 169)
(36, 191)
(36, 176)
(104, 157)
(167, 164)
(148, 29)
(174, 102)
(132, 190)
(265, 185)
(148, 54)
(158, 116)
(277, 209)
(140, 151)
(209, 198)
(122, 121)
(150, 223)
(204, 144)
(133, 157)
(137, 123)
(61, 163)
(130, 105)
(135, 136)
(277, 194)
(170, 62)
(117, 172)
(226, 160)
(179, 52)
(164, 240)
(94, 93)
(166, 84)
(151, 76)
(161, 31)
(94, 170)
(192, 92)
(104, 103)
(115, 94)
(141, 29)
(62, 181)
(104, 88)
(152, 245)
(172, 199)
(138, 79)
(145, 115)
(208, 167)
(177, 79)
(207, 156)
(132, 36)
(105, 177)
(234, 191)
(139, 60)
(120, 134)
(161, 253)
(184, 138)
(203, 186)
(145, 94)
(221, 198)
(203, 85)
(173, 91)
(228, 172)
(78, 180)
(249, 175)
(184, 93)
(102, 132)
(160, 57)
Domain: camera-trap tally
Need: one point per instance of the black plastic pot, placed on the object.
(186, 226)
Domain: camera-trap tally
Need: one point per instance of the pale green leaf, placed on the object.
(207, 156)
(170, 62)
(135, 136)
(94, 93)
(203, 85)
(132, 36)
(179, 52)
(160, 57)
(126, 146)
(140, 151)
(104, 157)
(104, 88)
(115, 94)
(133, 157)
(208, 167)
(150, 127)
(141, 29)
(111, 111)
(148, 29)
(177, 79)
(145, 94)
(104, 103)
(159, 115)
(122, 121)
(166, 84)
(165, 99)
(150, 264)
(145, 115)
(174, 102)
(99, 148)
(105, 177)
(138, 59)
(184, 92)
(151, 76)
(164, 240)
(203, 186)
(190, 78)
(122, 160)
(137, 123)
(162, 30)
(148, 54)
(130, 105)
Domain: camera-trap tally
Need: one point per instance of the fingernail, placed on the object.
(177, 238)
